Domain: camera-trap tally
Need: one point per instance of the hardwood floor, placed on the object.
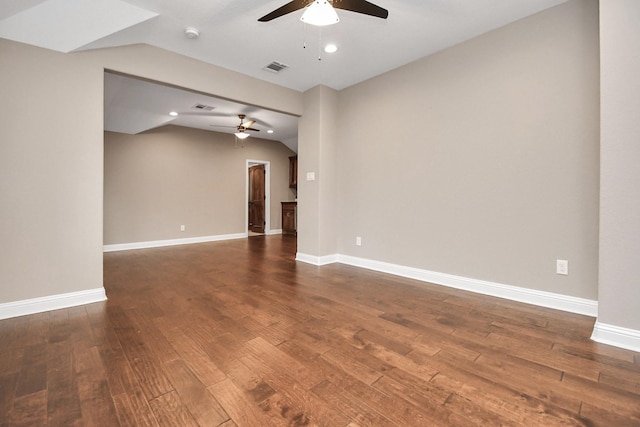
(236, 333)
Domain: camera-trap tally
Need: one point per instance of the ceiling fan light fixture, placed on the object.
(241, 135)
(320, 13)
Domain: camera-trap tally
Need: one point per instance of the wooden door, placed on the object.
(293, 172)
(256, 199)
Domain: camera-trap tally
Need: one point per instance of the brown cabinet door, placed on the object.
(256, 199)
(289, 218)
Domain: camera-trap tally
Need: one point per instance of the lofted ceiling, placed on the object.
(133, 105)
(231, 36)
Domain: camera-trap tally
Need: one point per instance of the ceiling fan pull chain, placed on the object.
(304, 35)
(320, 44)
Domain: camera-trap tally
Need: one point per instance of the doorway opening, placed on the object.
(258, 218)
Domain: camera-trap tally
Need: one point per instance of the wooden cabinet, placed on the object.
(289, 217)
(293, 172)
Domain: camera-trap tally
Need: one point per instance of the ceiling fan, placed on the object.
(358, 6)
(242, 128)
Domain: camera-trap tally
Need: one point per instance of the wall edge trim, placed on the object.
(317, 260)
(171, 242)
(555, 301)
(514, 293)
(51, 302)
(616, 336)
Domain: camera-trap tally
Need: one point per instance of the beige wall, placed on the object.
(620, 171)
(317, 204)
(166, 177)
(50, 173)
(51, 155)
(482, 160)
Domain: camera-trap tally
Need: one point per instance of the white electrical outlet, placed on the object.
(311, 176)
(562, 267)
(182, 227)
(358, 241)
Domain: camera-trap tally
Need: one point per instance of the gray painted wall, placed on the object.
(51, 155)
(318, 151)
(172, 176)
(482, 160)
(620, 171)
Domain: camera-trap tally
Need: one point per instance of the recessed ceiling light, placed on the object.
(270, 131)
(173, 113)
(330, 48)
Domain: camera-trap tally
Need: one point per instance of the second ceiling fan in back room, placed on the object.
(242, 128)
(321, 12)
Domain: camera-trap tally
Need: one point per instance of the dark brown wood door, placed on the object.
(256, 199)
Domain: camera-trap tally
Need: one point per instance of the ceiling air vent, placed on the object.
(275, 67)
(202, 107)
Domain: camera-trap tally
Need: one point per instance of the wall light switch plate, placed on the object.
(311, 176)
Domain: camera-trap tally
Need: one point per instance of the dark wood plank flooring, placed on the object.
(237, 333)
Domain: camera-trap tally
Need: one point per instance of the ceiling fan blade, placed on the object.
(292, 6)
(361, 6)
(248, 124)
(255, 130)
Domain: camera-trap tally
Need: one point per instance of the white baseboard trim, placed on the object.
(616, 336)
(317, 260)
(529, 296)
(514, 293)
(271, 232)
(53, 302)
(172, 242)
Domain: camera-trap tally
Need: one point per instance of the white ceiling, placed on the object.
(231, 36)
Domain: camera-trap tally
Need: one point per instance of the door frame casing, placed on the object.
(267, 194)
